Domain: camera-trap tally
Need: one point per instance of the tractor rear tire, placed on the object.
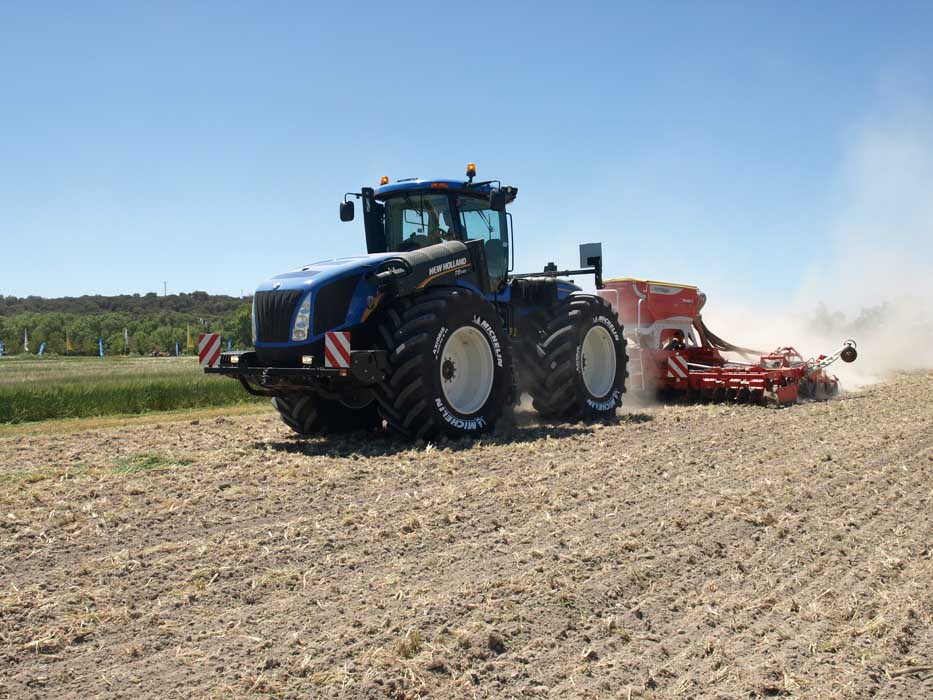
(310, 415)
(573, 362)
(450, 365)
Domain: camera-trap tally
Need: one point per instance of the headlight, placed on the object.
(302, 320)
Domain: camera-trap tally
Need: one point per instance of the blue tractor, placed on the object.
(431, 333)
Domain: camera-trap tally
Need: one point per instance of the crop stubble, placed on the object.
(688, 551)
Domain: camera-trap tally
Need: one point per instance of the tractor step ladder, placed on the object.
(636, 369)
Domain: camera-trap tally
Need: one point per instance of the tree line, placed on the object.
(151, 322)
(201, 304)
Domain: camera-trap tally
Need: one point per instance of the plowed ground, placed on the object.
(682, 552)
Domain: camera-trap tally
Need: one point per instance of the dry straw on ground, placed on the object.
(684, 552)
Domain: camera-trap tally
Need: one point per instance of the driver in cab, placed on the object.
(439, 235)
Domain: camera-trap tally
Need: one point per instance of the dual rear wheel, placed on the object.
(573, 362)
(450, 365)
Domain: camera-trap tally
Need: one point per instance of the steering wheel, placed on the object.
(413, 242)
(442, 235)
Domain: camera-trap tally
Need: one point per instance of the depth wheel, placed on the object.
(805, 389)
(573, 360)
(450, 365)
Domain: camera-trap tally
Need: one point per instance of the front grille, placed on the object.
(332, 302)
(274, 311)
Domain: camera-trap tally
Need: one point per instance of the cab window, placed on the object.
(416, 221)
(479, 222)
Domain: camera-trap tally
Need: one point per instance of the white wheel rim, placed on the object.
(466, 370)
(599, 361)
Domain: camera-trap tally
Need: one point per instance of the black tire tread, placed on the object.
(310, 415)
(547, 360)
(402, 399)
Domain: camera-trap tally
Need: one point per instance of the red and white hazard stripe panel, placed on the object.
(676, 367)
(209, 349)
(337, 349)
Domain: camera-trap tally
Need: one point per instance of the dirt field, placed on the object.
(683, 552)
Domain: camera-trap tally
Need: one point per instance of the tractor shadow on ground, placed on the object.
(367, 444)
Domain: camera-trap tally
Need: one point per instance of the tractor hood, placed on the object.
(335, 295)
(319, 273)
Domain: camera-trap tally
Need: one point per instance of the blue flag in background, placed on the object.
(42, 349)
(176, 348)
(100, 346)
(229, 344)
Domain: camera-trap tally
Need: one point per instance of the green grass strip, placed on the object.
(36, 401)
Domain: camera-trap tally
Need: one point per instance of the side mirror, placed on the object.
(497, 200)
(590, 253)
(347, 211)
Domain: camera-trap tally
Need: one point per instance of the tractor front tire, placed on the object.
(450, 365)
(310, 415)
(573, 361)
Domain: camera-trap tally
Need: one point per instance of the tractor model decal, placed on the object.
(442, 269)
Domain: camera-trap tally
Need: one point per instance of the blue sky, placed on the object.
(208, 144)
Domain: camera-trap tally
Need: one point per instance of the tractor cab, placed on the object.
(412, 214)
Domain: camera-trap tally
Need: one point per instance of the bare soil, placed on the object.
(681, 552)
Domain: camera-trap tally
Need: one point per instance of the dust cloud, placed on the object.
(876, 285)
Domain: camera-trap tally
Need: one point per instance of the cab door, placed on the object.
(479, 222)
